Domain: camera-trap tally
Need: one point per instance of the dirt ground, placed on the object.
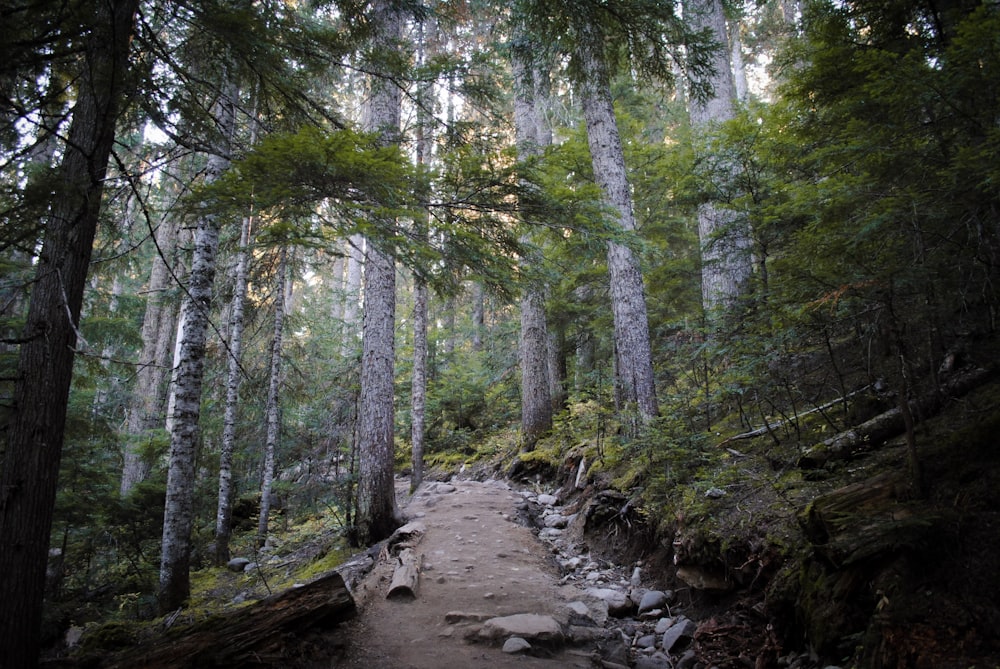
(476, 559)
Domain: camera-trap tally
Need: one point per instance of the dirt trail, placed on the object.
(476, 559)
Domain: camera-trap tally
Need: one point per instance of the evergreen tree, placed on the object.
(35, 430)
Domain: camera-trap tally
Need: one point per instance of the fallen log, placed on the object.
(876, 431)
(258, 636)
(406, 577)
(771, 427)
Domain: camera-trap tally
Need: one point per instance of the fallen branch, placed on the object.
(770, 427)
(876, 431)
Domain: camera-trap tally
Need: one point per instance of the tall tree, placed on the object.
(272, 409)
(725, 242)
(633, 355)
(146, 405)
(536, 395)
(234, 375)
(186, 384)
(376, 513)
(35, 432)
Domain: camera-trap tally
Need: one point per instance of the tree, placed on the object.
(35, 432)
(234, 374)
(376, 514)
(536, 394)
(146, 407)
(186, 384)
(725, 243)
(633, 355)
(272, 409)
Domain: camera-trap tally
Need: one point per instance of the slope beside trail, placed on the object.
(476, 560)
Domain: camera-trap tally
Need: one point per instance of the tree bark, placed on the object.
(146, 406)
(377, 515)
(628, 299)
(536, 394)
(255, 636)
(234, 375)
(352, 294)
(178, 513)
(273, 410)
(726, 263)
(31, 459)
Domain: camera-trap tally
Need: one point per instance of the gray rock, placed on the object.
(687, 660)
(617, 601)
(548, 500)
(681, 629)
(654, 661)
(646, 641)
(663, 625)
(237, 564)
(528, 626)
(516, 644)
(653, 599)
(556, 520)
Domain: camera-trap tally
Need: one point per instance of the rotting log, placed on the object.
(257, 636)
(406, 577)
(864, 520)
(876, 431)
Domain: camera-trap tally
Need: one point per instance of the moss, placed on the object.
(332, 558)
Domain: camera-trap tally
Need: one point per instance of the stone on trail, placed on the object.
(683, 628)
(516, 644)
(528, 626)
(548, 500)
(617, 601)
(653, 599)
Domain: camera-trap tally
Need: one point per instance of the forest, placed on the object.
(734, 260)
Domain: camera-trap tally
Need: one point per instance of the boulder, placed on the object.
(237, 564)
(652, 599)
(528, 626)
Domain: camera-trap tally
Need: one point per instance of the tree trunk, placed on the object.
(418, 393)
(536, 394)
(31, 459)
(352, 294)
(178, 513)
(377, 516)
(272, 411)
(628, 299)
(725, 242)
(234, 374)
(146, 405)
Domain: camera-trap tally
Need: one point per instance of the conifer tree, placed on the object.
(35, 431)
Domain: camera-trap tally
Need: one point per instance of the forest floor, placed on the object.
(477, 560)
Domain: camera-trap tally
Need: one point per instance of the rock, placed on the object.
(701, 579)
(547, 500)
(456, 617)
(578, 608)
(636, 579)
(681, 629)
(687, 660)
(250, 566)
(654, 661)
(516, 644)
(646, 641)
(237, 564)
(652, 599)
(556, 520)
(663, 625)
(529, 626)
(618, 602)
(715, 493)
